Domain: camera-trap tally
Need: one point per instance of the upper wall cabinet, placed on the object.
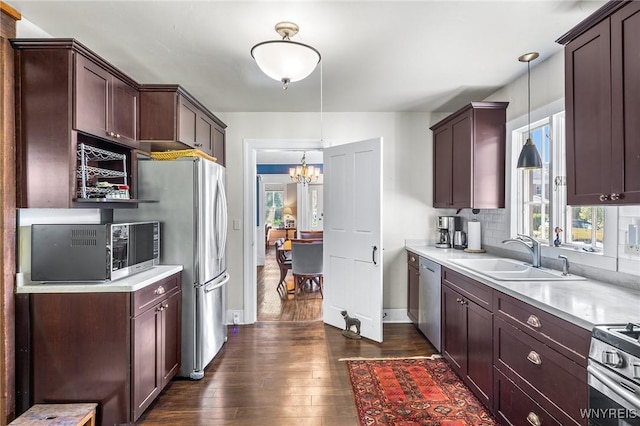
(469, 157)
(170, 118)
(603, 105)
(105, 106)
(68, 98)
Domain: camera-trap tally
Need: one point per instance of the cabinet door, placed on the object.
(480, 351)
(147, 382)
(454, 330)
(413, 290)
(171, 336)
(124, 113)
(219, 145)
(187, 122)
(625, 68)
(91, 98)
(442, 162)
(588, 106)
(204, 134)
(461, 161)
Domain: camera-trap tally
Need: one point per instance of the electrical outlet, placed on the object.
(236, 318)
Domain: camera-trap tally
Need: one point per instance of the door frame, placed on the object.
(250, 146)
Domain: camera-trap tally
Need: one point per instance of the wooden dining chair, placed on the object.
(306, 261)
(284, 263)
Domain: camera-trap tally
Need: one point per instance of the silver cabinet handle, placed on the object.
(615, 196)
(533, 321)
(533, 419)
(534, 358)
(413, 259)
(159, 290)
(604, 197)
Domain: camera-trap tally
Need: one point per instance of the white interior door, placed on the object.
(353, 235)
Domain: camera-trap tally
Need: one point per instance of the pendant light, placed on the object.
(285, 60)
(529, 157)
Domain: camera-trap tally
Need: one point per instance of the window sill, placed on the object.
(577, 256)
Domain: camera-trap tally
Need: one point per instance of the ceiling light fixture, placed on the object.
(304, 174)
(285, 60)
(529, 157)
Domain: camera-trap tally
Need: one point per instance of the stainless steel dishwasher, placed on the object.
(429, 305)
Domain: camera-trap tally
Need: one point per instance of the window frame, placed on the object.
(604, 259)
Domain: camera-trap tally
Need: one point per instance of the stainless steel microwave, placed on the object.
(93, 252)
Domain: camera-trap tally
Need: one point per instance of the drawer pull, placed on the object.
(533, 321)
(159, 290)
(413, 259)
(533, 419)
(534, 358)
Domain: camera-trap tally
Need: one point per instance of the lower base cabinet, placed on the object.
(467, 336)
(524, 364)
(514, 407)
(116, 349)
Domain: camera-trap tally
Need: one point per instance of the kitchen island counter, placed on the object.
(127, 284)
(581, 302)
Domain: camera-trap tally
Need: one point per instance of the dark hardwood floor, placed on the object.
(283, 370)
(306, 307)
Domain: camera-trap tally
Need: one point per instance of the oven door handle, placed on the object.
(624, 392)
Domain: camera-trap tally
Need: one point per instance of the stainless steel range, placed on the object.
(614, 375)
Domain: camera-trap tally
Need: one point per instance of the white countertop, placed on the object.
(127, 284)
(584, 303)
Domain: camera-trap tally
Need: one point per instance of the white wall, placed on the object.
(407, 178)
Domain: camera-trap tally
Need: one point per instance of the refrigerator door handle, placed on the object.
(223, 223)
(210, 288)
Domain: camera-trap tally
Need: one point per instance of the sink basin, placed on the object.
(512, 270)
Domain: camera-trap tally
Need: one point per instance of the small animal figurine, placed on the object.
(350, 322)
(557, 241)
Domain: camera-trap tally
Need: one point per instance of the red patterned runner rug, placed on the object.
(411, 392)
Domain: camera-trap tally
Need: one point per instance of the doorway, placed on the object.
(254, 242)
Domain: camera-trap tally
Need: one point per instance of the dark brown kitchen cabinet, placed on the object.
(170, 118)
(154, 365)
(602, 105)
(105, 106)
(469, 157)
(467, 332)
(118, 349)
(541, 356)
(85, 99)
(413, 287)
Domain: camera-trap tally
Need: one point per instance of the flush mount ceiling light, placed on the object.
(285, 60)
(529, 157)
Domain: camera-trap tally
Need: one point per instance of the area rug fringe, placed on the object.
(434, 356)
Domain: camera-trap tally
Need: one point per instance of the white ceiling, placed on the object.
(376, 55)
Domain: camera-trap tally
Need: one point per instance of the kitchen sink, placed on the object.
(512, 270)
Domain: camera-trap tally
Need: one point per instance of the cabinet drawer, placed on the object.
(413, 259)
(568, 339)
(154, 293)
(467, 287)
(544, 374)
(514, 407)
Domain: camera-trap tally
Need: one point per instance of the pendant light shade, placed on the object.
(285, 60)
(529, 157)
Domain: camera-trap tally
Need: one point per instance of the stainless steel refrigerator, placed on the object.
(192, 209)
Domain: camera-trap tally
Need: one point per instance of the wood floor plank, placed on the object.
(280, 372)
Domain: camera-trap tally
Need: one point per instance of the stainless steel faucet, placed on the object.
(534, 247)
(565, 264)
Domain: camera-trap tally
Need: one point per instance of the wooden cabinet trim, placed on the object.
(480, 293)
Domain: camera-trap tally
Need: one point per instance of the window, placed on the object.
(273, 203)
(542, 210)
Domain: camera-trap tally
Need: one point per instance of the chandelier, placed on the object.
(285, 60)
(304, 174)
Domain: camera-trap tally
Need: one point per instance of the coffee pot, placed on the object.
(447, 225)
(459, 240)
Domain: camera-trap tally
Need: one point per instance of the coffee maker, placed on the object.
(447, 226)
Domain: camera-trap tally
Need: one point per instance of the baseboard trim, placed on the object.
(395, 316)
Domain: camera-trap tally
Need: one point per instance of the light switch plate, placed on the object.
(236, 224)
